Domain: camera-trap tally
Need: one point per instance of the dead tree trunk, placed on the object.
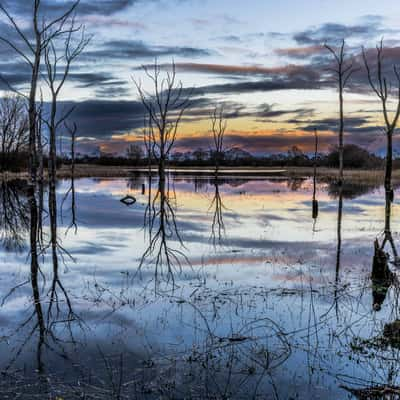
(380, 86)
(342, 72)
(219, 125)
(165, 107)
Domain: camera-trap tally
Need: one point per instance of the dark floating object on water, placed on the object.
(128, 200)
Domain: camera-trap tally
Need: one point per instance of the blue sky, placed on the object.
(263, 60)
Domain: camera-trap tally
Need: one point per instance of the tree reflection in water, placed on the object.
(42, 323)
(162, 253)
(14, 221)
(382, 277)
(380, 353)
(232, 341)
(217, 227)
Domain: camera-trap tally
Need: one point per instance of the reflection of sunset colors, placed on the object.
(268, 226)
(273, 266)
(274, 210)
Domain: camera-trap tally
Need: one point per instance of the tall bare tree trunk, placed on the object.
(32, 112)
(380, 85)
(389, 164)
(52, 143)
(342, 72)
(341, 128)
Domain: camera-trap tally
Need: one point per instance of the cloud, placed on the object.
(106, 20)
(243, 70)
(18, 73)
(259, 86)
(112, 90)
(258, 143)
(268, 111)
(86, 7)
(112, 125)
(103, 118)
(358, 130)
(230, 38)
(104, 84)
(91, 79)
(275, 78)
(135, 49)
(261, 142)
(333, 32)
(301, 52)
(331, 124)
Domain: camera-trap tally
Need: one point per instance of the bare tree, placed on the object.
(134, 153)
(43, 33)
(379, 85)
(219, 125)
(39, 139)
(342, 70)
(13, 128)
(165, 107)
(149, 148)
(56, 80)
(149, 144)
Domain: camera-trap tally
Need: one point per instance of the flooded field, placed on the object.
(204, 288)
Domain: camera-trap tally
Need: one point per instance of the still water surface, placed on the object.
(218, 289)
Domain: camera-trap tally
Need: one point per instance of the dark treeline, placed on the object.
(354, 157)
(14, 151)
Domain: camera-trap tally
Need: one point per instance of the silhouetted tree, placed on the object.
(135, 153)
(200, 155)
(343, 70)
(353, 157)
(13, 130)
(44, 32)
(379, 85)
(219, 125)
(56, 79)
(165, 107)
(296, 157)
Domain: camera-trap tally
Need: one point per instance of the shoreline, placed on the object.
(101, 171)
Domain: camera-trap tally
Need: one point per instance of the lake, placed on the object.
(203, 288)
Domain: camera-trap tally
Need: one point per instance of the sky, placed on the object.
(263, 61)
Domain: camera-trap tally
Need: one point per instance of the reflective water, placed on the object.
(203, 289)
